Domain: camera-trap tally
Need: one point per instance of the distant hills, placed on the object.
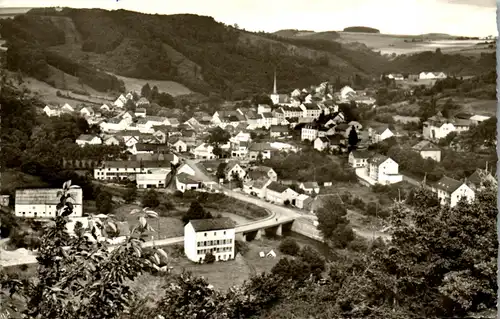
(197, 51)
(361, 29)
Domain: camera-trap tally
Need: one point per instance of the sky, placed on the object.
(455, 17)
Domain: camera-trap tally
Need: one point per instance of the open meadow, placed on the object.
(170, 87)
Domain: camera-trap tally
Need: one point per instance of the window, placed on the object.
(205, 234)
(224, 233)
(215, 233)
(198, 244)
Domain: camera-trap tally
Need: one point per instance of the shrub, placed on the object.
(241, 247)
(150, 199)
(286, 202)
(209, 258)
(289, 246)
(358, 244)
(178, 194)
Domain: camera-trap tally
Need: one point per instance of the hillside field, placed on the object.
(170, 87)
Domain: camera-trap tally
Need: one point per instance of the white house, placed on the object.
(42, 202)
(356, 125)
(309, 187)
(450, 191)
(231, 168)
(114, 124)
(426, 149)
(111, 140)
(184, 182)
(309, 132)
(395, 76)
(347, 92)
(153, 179)
(216, 236)
(278, 130)
(142, 102)
(256, 187)
(358, 158)
(263, 108)
(87, 139)
(310, 110)
(204, 151)
(476, 119)
(380, 134)
(123, 170)
(105, 108)
(120, 101)
(52, 110)
(241, 137)
(383, 170)
(321, 143)
(180, 146)
(431, 75)
(303, 201)
(86, 111)
(186, 169)
(140, 112)
(279, 193)
(68, 108)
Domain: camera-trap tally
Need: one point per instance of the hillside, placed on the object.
(361, 29)
(196, 51)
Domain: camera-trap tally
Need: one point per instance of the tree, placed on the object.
(104, 202)
(77, 278)
(313, 259)
(150, 199)
(130, 194)
(333, 224)
(353, 139)
(130, 105)
(289, 246)
(154, 93)
(146, 91)
(195, 211)
(218, 137)
(209, 258)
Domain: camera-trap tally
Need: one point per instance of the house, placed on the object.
(184, 182)
(278, 130)
(480, 178)
(321, 143)
(262, 172)
(239, 149)
(263, 108)
(358, 158)
(383, 170)
(86, 111)
(309, 132)
(431, 75)
(381, 133)
(111, 140)
(121, 170)
(476, 119)
(264, 149)
(87, 139)
(347, 92)
(336, 119)
(231, 169)
(241, 137)
(266, 120)
(343, 129)
(438, 127)
(395, 76)
(216, 236)
(142, 102)
(120, 101)
(204, 151)
(186, 169)
(280, 194)
(450, 191)
(128, 115)
(114, 124)
(426, 149)
(52, 110)
(105, 108)
(291, 112)
(179, 145)
(68, 108)
(156, 178)
(140, 112)
(357, 126)
(309, 187)
(310, 110)
(256, 187)
(303, 201)
(42, 202)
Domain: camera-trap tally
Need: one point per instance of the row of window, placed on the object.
(214, 250)
(215, 242)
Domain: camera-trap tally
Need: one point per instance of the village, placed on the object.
(226, 153)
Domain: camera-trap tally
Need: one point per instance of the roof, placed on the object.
(462, 122)
(143, 100)
(186, 179)
(136, 164)
(479, 118)
(302, 197)
(277, 187)
(425, 146)
(479, 176)
(309, 185)
(381, 129)
(267, 115)
(200, 225)
(360, 154)
(85, 137)
(279, 128)
(114, 120)
(324, 139)
(448, 184)
(311, 106)
(378, 159)
(342, 127)
(260, 147)
(140, 110)
(42, 196)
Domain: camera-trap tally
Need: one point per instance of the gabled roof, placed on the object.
(277, 187)
(279, 128)
(140, 110)
(448, 184)
(115, 120)
(201, 225)
(361, 154)
(378, 159)
(381, 129)
(173, 121)
(267, 115)
(425, 146)
(479, 176)
(310, 185)
(342, 127)
(136, 164)
(258, 147)
(41, 196)
(324, 139)
(311, 106)
(186, 179)
(143, 100)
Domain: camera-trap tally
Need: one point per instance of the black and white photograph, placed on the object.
(248, 159)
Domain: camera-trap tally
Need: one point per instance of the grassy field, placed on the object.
(170, 87)
(12, 179)
(482, 107)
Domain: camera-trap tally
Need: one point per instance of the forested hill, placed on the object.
(196, 51)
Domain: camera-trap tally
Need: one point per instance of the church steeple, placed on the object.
(275, 91)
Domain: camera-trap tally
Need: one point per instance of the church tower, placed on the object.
(275, 96)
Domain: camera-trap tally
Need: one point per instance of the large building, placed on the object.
(42, 202)
(121, 170)
(209, 235)
(451, 191)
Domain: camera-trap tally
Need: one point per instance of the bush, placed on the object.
(178, 194)
(209, 258)
(358, 244)
(289, 246)
(286, 202)
(150, 199)
(241, 247)
(130, 195)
